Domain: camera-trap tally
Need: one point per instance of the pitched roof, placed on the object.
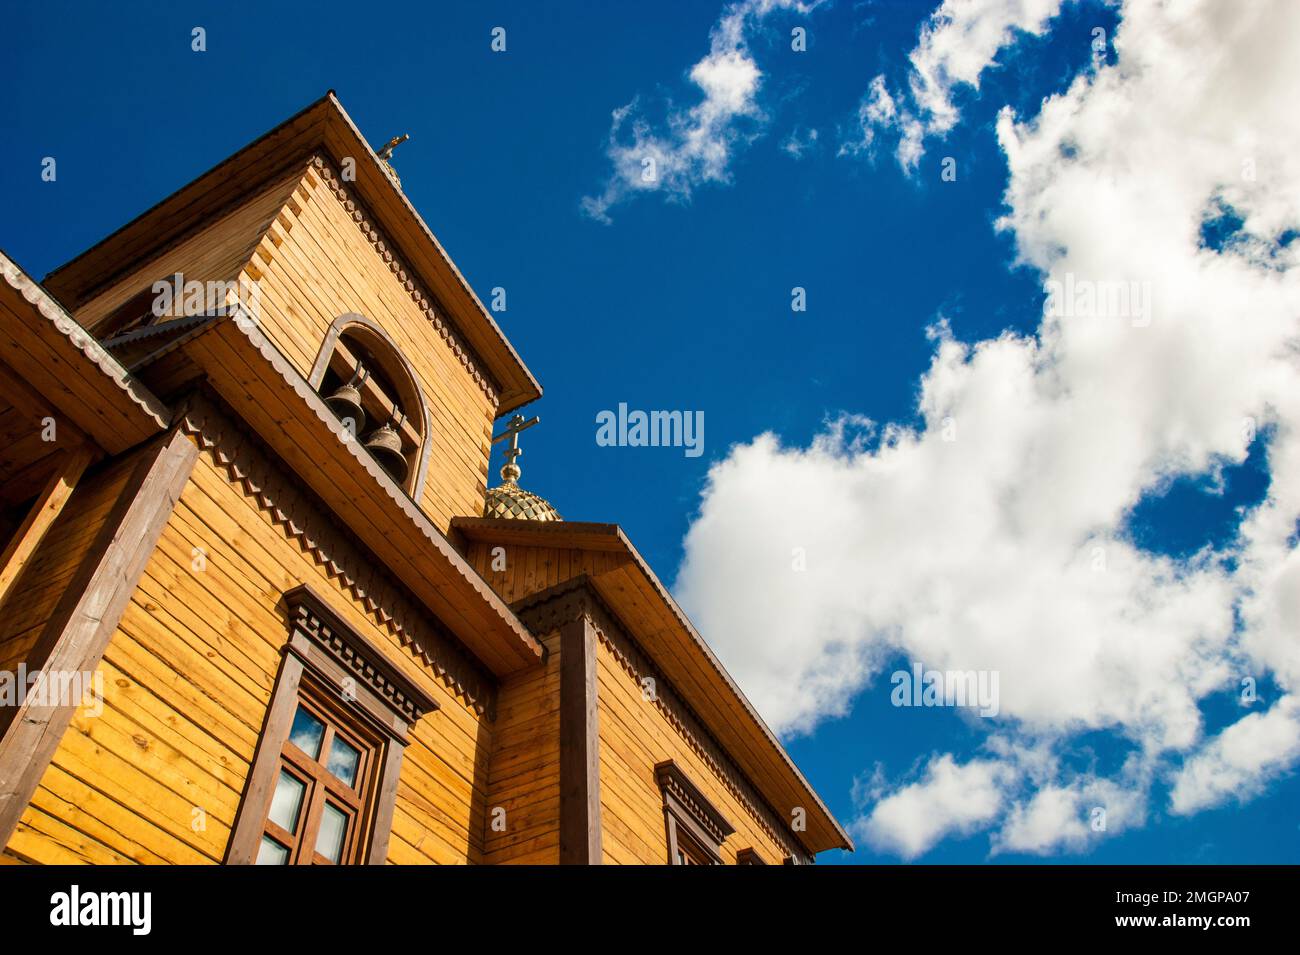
(68, 366)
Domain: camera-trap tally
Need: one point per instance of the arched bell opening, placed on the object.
(371, 388)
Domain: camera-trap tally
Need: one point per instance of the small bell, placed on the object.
(346, 401)
(385, 446)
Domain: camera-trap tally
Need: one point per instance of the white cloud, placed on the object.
(796, 145)
(1237, 763)
(1072, 816)
(993, 536)
(959, 41)
(950, 799)
(1050, 819)
(698, 143)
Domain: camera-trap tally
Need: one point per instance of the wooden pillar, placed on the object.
(86, 616)
(580, 823)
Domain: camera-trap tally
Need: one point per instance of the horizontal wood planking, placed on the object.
(188, 676)
(634, 736)
(314, 265)
(55, 561)
(524, 771)
(40, 518)
(529, 570)
(215, 252)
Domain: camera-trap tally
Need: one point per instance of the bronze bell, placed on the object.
(346, 401)
(385, 446)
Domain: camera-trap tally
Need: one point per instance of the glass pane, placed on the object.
(287, 801)
(272, 853)
(344, 759)
(307, 732)
(333, 827)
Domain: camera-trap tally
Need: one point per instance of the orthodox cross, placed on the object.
(510, 471)
(386, 155)
(386, 152)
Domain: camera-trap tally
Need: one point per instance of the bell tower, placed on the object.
(307, 234)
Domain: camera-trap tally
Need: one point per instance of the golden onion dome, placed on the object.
(509, 500)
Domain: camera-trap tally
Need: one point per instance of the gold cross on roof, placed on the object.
(510, 471)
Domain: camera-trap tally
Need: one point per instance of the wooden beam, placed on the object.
(580, 822)
(47, 507)
(86, 617)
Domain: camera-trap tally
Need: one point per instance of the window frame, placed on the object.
(321, 786)
(338, 672)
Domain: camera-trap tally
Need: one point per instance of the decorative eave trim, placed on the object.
(67, 326)
(677, 786)
(309, 615)
(549, 609)
(432, 309)
(285, 504)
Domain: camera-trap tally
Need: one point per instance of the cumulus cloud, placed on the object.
(959, 41)
(994, 535)
(697, 144)
(1237, 763)
(949, 799)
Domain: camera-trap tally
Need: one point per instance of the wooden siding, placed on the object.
(634, 736)
(214, 253)
(312, 263)
(530, 570)
(524, 773)
(187, 678)
(315, 264)
(45, 578)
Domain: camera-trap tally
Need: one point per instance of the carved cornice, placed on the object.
(282, 501)
(547, 610)
(309, 615)
(419, 295)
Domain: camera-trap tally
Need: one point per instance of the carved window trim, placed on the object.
(323, 653)
(695, 827)
(749, 857)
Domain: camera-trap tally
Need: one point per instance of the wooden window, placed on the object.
(324, 779)
(371, 388)
(324, 789)
(694, 827)
(749, 857)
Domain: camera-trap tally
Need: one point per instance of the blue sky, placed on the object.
(683, 301)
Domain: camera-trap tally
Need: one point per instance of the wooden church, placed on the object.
(257, 602)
